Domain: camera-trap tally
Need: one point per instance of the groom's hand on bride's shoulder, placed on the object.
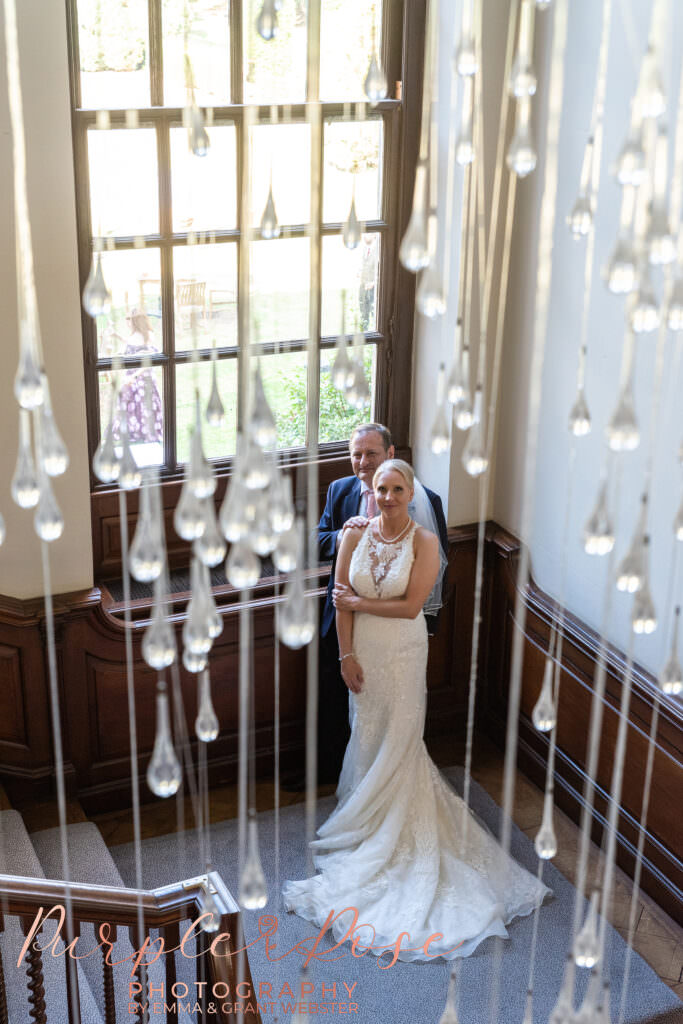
(355, 523)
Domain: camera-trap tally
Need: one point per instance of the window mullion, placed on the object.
(167, 290)
(236, 51)
(156, 59)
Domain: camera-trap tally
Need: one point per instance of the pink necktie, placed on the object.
(371, 505)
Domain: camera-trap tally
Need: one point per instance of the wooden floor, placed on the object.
(657, 938)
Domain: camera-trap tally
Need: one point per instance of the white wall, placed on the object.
(586, 578)
(44, 72)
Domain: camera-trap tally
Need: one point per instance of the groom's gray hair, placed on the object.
(372, 428)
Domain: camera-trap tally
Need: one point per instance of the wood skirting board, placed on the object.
(90, 648)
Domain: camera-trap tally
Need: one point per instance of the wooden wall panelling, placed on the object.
(662, 868)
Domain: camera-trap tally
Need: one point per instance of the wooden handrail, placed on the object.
(163, 907)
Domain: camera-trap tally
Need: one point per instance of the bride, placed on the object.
(403, 864)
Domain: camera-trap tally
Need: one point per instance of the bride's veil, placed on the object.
(424, 515)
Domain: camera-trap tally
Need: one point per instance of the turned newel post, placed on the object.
(35, 981)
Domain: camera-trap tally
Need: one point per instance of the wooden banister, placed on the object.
(163, 908)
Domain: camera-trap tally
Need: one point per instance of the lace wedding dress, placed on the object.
(393, 847)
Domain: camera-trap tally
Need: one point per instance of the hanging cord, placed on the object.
(544, 271)
(130, 694)
(595, 142)
(314, 120)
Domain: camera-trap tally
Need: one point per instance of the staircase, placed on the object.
(37, 990)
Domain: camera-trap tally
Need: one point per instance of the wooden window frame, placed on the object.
(403, 56)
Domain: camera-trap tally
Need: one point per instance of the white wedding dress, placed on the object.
(392, 847)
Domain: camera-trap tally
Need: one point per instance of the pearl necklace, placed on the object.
(397, 537)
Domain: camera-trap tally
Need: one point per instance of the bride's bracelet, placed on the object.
(349, 655)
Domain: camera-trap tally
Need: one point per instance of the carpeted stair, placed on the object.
(18, 857)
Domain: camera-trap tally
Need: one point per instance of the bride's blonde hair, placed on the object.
(402, 467)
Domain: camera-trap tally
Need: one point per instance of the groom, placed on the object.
(350, 503)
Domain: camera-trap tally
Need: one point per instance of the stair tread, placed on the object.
(90, 861)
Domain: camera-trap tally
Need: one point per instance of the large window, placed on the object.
(170, 222)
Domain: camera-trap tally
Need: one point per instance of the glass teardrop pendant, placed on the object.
(590, 1009)
(351, 229)
(545, 842)
(197, 136)
(189, 516)
(282, 504)
(671, 676)
(580, 219)
(199, 476)
(586, 945)
(631, 165)
(242, 567)
(644, 313)
(262, 426)
(522, 80)
(266, 23)
(130, 476)
(255, 466)
(3, 530)
(194, 661)
(375, 84)
(521, 156)
(284, 555)
(598, 534)
(430, 299)
(146, 556)
(96, 295)
(232, 515)
(28, 380)
(25, 488)
(414, 250)
(253, 894)
(210, 546)
(579, 416)
(215, 411)
(620, 273)
(105, 461)
(163, 772)
(644, 616)
(195, 634)
(623, 434)
(342, 369)
(474, 457)
(297, 620)
(48, 521)
(212, 921)
(206, 723)
(441, 435)
(465, 59)
(674, 312)
(631, 569)
(214, 620)
(158, 643)
(270, 227)
(53, 453)
(262, 536)
(543, 714)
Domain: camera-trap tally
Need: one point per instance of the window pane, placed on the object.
(134, 324)
(275, 70)
(284, 382)
(113, 45)
(208, 45)
(350, 277)
(205, 290)
(145, 429)
(124, 194)
(286, 148)
(279, 274)
(204, 187)
(219, 442)
(346, 44)
(337, 417)
(353, 153)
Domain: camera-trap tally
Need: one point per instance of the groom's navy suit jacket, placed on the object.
(343, 499)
